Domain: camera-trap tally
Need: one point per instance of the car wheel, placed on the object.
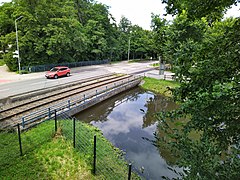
(55, 76)
(68, 74)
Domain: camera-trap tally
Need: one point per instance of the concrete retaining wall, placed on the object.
(102, 97)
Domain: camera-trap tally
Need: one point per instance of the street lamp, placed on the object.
(17, 52)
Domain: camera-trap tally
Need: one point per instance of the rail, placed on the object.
(76, 102)
(39, 102)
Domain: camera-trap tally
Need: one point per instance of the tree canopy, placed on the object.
(206, 58)
(203, 48)
(66, 31)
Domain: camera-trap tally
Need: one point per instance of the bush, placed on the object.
(2, 62)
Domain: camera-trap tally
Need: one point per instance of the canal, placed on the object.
(127, 120)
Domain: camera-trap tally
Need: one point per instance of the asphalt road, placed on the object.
(40, 82)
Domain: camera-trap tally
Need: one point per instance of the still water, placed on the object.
(127, 120)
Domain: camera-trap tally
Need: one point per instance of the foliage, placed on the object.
(213, 78)
(159, 28)
(212, 10)
(69, 31)
(2, 62)
(206, 63)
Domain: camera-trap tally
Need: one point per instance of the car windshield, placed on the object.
(54, 69)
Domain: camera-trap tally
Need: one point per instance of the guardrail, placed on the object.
(79, 102)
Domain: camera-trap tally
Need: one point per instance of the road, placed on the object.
(15, 86)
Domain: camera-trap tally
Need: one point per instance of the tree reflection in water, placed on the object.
(128, 121)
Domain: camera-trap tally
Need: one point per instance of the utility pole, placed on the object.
(128, 48)
(161, 67)
(17, 52)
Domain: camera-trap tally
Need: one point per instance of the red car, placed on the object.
(58, 72)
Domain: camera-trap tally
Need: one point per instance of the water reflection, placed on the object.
(127, 120)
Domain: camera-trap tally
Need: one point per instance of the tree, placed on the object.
(124, 28)
(211, 10)
(69, 31)
(159, 27)
(182, 32)
(100, 31)
(140, 42)
(207, 64)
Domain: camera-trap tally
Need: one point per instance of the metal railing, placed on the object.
(105, 161)
(75, 102)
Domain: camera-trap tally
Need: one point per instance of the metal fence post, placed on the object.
(55, 119)
(129, 171)
(74, 132)
(23, 123)
(94, 154)
(49, 113)
(19, 139)
(69, 103)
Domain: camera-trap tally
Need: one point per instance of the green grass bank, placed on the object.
(50, 155)
(159, 86)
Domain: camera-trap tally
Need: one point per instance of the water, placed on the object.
(127, 120)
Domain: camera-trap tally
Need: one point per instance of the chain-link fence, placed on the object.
(16, 143)
(47, 67)
(106, 161)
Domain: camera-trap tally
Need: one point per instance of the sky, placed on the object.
(139, 11)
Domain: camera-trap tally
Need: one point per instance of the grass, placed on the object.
(155, 64)
(23, 72)
(46, 156)
(2, 62)
(135, 60)
(110, 162)
(159, 86)
(50, 155)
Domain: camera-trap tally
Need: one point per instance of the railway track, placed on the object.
(10, 116)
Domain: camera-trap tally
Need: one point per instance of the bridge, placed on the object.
(30, 108)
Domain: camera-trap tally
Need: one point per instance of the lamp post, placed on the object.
(18, 53)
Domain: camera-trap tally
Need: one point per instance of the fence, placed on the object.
(106, 161)
(14, 144)
(79, 102)
(41, 68)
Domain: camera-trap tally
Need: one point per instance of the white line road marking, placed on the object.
(1, 90)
